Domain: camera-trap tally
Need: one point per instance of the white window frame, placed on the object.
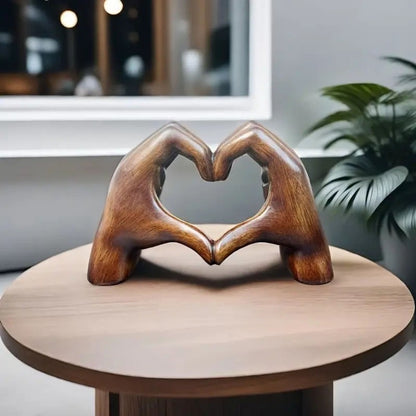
(256, 105)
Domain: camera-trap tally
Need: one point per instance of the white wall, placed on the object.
(48, 205)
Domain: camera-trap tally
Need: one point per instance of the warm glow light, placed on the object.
(68, 19)
(113, 6)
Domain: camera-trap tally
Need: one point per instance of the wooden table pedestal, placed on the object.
(316, 401)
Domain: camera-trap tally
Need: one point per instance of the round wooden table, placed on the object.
(184, 338)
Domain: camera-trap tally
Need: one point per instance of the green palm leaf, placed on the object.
(402, 216)
(337, 117)
(363, 123)
(356, 96)
(359, 184)
(396, 98)
(406, 220)
(401, 61)
(342, 137)
(409, 78)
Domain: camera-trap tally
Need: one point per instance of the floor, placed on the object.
(383, 391)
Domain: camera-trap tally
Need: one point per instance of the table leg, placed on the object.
(106, 403)
(317, 401)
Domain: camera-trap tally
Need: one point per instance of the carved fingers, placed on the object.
(252, 139)
(173, 229)
(173, 140)
(260, 144)
(134, 217)
(242, 235)
(288, 217)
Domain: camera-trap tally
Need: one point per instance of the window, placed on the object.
(123, 47)
(134, 59)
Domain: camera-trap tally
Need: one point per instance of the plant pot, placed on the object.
(351, 233)
(399, 256)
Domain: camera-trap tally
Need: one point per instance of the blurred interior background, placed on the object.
(147, 47)
(84, 81)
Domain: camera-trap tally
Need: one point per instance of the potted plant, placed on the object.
(378, 179)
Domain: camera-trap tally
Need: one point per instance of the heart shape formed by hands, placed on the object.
(134, 218)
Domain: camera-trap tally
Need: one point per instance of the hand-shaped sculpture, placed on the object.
(133, 216)
(288, 217)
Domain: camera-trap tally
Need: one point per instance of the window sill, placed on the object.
(304, 153)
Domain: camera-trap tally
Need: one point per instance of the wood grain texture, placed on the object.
(317, 401)
(182, 328)
(134, 218)
(288, 217)
(288, 404)
(106, 403)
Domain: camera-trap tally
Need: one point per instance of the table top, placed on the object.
(181, 328)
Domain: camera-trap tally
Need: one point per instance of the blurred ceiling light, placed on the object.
(68, 19)
(134, 66)
(34, 63)
(113, 7)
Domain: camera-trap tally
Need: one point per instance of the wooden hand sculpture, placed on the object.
(288, 217)
(134, 218)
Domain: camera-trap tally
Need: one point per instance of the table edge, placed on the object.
(211, 387)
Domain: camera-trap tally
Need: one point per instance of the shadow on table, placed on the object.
(223, 276)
